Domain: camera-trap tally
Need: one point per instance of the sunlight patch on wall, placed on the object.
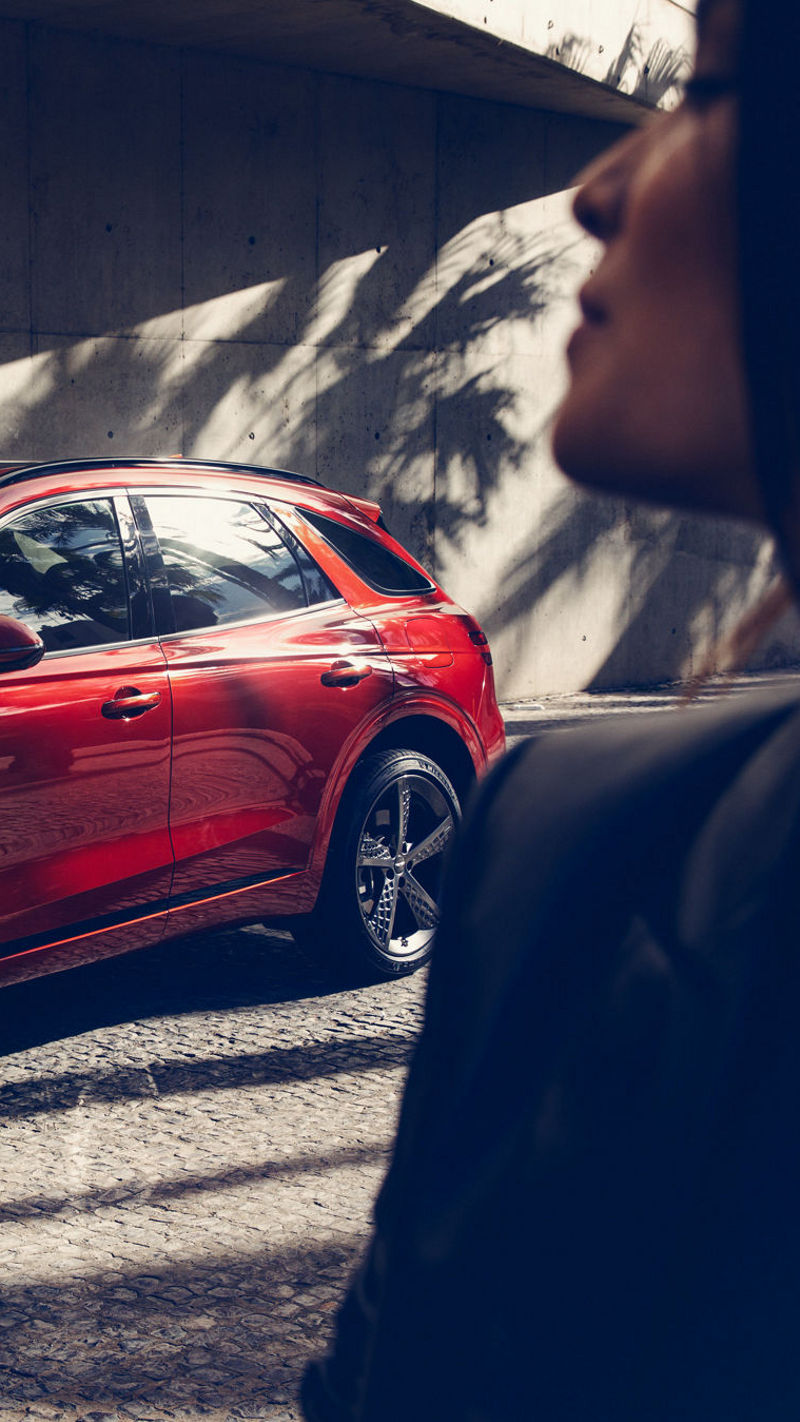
(224, 318)
(337, 294)
(220, 318)
(30, 379)
(251, 403)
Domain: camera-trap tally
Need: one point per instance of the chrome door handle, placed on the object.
(128, 702)
(344, 673)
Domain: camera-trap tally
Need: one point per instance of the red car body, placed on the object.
(182, 776)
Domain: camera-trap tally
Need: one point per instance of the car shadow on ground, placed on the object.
(209, 971)
(219, 1337)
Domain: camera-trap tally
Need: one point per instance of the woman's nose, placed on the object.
(597, 206)
(599, 203)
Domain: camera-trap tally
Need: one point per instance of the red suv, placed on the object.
(226, 695)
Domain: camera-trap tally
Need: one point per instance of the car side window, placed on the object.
(62, 573)
(224, 562)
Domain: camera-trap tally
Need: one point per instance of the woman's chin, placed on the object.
(592, 462)
(576, 451)
(680, 473)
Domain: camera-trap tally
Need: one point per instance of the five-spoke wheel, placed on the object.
(398, 857)
(383, 880)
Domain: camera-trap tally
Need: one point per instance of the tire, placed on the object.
(379, 903)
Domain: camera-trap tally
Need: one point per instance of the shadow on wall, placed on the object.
(652, 76)
(364, 403)
(684, 582)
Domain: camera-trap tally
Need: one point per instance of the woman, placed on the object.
(593, 1211)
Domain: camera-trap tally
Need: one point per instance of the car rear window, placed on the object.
(378, 566)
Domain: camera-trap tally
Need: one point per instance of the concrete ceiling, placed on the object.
(400, 41)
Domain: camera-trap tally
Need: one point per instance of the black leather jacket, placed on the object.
(593, 1210)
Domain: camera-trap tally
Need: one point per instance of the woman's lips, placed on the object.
(593, 312)
(594, 317)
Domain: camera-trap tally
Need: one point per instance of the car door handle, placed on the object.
(128, 702)
(346, 673)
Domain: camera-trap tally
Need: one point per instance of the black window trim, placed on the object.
(290, 538)
(155, 571)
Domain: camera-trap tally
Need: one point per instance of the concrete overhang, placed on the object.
(398, 41)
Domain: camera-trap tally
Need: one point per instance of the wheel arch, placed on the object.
(431, 737)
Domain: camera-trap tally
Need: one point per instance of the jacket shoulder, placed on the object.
(567, 819)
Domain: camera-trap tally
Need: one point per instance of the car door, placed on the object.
(85, 733)
(262, 704)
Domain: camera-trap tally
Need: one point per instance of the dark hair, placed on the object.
(769, 226)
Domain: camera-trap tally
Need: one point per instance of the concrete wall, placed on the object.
(642, 50)
(224, 258)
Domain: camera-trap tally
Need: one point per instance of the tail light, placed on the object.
(478, 638)
(481, 640)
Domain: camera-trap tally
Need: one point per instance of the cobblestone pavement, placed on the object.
(190, 1142)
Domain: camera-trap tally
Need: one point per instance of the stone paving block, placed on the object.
(190, 1143)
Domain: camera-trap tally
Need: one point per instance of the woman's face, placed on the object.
(657, 403)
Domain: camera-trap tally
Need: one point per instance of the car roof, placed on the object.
(15, 473)
(76, 475)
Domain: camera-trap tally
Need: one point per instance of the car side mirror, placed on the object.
(19, 646)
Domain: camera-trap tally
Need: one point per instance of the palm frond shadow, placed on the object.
(648, 75)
